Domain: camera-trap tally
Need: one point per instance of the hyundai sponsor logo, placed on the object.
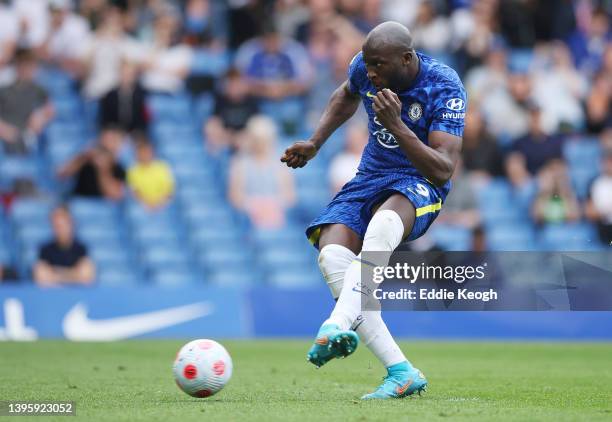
(455, 104)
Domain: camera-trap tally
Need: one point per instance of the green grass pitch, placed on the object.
(132, 381)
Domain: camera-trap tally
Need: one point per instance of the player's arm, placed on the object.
(342, 105)
(436, 161)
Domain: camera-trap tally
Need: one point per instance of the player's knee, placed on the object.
(384, 232)
(333, 262)
(334, 259)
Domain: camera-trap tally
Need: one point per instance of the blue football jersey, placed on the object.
(435, 101)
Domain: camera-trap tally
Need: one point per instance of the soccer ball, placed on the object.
(202, 368)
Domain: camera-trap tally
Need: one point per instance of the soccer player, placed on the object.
(416, 108)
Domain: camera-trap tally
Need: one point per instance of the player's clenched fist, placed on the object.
(298, 154)
(388, 108)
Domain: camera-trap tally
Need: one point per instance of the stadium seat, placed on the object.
(175, 277)
(116, 276)
(451, 238)
(289, 278)
(233, 277)
(569, 237)
(510, 238)
(25, 210)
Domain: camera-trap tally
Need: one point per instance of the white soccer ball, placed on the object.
(202, 368)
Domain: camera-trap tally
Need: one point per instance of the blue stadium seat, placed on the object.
(569, 237)
(165, 254)
(216, 259)
(289, 278)
(211, 235)
(582, 177)
(34, 234)
(510, 238)
(201, 215)
(288, 235)
(451, 238)
(175, 108)
(156, 235)
(116, 276)
(26, 210)
(285, 257)
(93, 209)
(93, 232)
(233, 277)
(13, 168)
(583, 151)
(175, 277)
(496, 192)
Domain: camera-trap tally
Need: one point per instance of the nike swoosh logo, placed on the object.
(78, 326)
(370, 95)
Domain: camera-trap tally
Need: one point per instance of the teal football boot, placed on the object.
(332, 342)
(402, 380)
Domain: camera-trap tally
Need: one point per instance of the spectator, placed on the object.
(110, 47)
(432, 32)
(68, 39)
(258, 186)
(482, 157)
(555, 200)
(533, 151)
(166, 64)
(7, 273)
(64, 260)
(125, 106)
(461, 208)
(559, 87)
(24, 107)
(491, 77)
(33, 18)
(9, 35)
(506, 109)
(97, 171)
(344, 166)
(588, 44)
(599, 204)
(599, 104)
(234, 106)
(278, 71)
(150, 179)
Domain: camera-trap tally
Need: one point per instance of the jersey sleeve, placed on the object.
(356, 73)
(450, 104)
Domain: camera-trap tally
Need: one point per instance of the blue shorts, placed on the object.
(352, 206)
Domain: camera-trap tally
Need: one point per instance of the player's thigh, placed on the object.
(339, 234)
(404, 208)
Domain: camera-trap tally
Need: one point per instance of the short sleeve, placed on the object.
(80, 251)
(450, 105)
(356, 73)
(44, 254)
(119, 172)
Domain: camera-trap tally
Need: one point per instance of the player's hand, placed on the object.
(298, 154)
(388, 108)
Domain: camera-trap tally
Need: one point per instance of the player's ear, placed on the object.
(407, 57)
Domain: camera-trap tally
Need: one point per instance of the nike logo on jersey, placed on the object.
(370, 95)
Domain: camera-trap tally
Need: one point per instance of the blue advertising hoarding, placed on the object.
(106, 314)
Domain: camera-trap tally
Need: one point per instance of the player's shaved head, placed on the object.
(389, 56)
(389, 35)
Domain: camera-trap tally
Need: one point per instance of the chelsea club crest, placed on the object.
(415, 111)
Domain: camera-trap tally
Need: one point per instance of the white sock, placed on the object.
(372, 330)
(383, 235)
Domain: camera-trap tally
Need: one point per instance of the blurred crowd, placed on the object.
(538, 75)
